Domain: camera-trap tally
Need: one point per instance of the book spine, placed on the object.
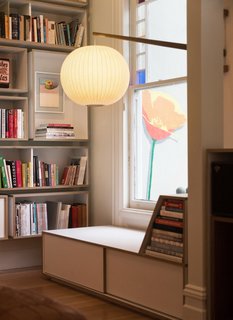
(18, 164)
(170, 214)
(169, 222)
(3, 111)
(15, 25)
(4, 73)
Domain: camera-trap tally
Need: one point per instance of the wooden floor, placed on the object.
(90, 306)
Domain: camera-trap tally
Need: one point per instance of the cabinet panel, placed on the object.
(75, 262)
(3, 217)
(145, 281)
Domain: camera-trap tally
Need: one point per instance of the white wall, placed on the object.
(103, 18)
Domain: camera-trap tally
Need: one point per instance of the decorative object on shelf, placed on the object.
(95, 75)
(4, 73)
(49, 93)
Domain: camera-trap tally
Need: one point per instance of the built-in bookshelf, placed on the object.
(36, 23)
(165, 237)
(38, 139)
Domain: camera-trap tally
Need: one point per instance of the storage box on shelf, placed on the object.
(36, 23)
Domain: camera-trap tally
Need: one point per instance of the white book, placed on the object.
(9, 176)
(10, 27)
(25, 219)
(82, 170)
(51, 32)
(19, 123)
(3, 118)
(79, 36)
(41, 17)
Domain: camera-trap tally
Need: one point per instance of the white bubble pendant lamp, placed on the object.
(95, 75)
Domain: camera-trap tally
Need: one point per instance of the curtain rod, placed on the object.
(174, 45)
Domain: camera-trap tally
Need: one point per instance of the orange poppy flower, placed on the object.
(161, 114)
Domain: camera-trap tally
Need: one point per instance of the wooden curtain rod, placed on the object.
(174, 45)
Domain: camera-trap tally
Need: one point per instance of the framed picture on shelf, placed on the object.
(48, 92)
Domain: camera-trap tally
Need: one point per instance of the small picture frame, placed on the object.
(48, 92)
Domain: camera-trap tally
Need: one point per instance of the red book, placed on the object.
(55, 125)
(76, 216)
(168, 222)
(10, 124)
(64, 175)
(18, 164)
(15, 123)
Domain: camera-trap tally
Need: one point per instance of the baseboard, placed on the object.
(195, 301)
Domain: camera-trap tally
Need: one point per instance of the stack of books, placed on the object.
(55, 131)
(167, 232)
(31, 218)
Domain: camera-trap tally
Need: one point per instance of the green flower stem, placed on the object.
(150, 169)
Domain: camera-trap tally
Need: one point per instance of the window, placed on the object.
(158, 103)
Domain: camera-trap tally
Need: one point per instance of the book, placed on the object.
(73, 30)
(4, 73)
(21, 27)
(11, 164)
(24, 219)
(173, 204)
(82, 170)
(51, 32)
(33, 218)
(3, 123)
(6, 26)
(42, 216)
(170, 213)
(53, 210)
(75, 216)
(2, 24)
(27, 28)
(169, 222)
(7, 173)
(79, 36)
(54, 125)
(18, 165)
(15, 25)
(3, 173)
(64, 222)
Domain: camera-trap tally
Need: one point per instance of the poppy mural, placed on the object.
(162, 116)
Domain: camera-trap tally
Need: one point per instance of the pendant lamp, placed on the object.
(95, 75)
